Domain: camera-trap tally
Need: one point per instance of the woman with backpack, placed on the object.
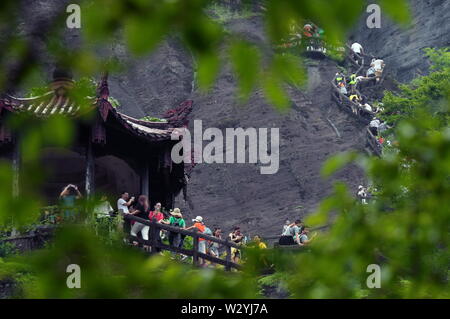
(213, 246)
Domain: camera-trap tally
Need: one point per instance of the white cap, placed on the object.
(198, 219)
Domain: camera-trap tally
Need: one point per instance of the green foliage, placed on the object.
(114, 102)
(405, 230)
(224, 14)
(7, 249)
(13, 268)
(153, 119)
(426, 93)
(120, 272)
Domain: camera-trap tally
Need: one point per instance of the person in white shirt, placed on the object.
(357, 50)
(373, 126)
(367, 107)
(378, 65)
(362, 194)
(124, 202)
(103, 208)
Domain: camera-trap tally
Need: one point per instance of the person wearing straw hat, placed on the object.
(176, 220)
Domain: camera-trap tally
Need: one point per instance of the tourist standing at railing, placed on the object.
(176, 220)
(213, 246)
(259, 243)
(124, 203)
(141, 210)
(236, 237)
(200, 226)
(158, 216)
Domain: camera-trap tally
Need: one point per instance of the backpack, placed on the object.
(177, 222)
(207, 231)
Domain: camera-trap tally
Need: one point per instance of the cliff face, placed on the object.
(230, 194)
(401, 48)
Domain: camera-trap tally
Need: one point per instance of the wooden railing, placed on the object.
(314, 48)
(373, 143)
(344, 102)
(155, 243)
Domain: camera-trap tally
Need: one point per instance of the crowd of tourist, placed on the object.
(293, 233)
(308, 34)
(350, 85)
(141, 208)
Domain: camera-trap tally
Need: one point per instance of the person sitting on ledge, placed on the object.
(304, 239)
(290, 236)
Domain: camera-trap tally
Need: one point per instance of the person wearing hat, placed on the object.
(176, 220)
(200, 226)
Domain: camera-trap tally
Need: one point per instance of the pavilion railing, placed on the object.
(155, 243)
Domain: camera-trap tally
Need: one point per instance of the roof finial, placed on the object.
(103, 89)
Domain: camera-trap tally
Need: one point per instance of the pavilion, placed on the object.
(112, 152)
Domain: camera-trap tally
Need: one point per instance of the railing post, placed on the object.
(154, 238)
(228, 256)
(195, 251)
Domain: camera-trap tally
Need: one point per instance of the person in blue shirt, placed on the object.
(68, 197)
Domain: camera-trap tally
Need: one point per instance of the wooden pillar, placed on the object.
(228, 257)
(90, 169)
(16, 169)
(154, 235)
(195, 250)
(145, 179)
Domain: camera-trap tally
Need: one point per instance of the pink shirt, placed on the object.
(157, 215)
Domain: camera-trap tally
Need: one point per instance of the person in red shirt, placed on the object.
(156, 214)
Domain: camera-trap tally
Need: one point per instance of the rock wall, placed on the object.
(400, 47)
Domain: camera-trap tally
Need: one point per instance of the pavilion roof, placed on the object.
(57, 102)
